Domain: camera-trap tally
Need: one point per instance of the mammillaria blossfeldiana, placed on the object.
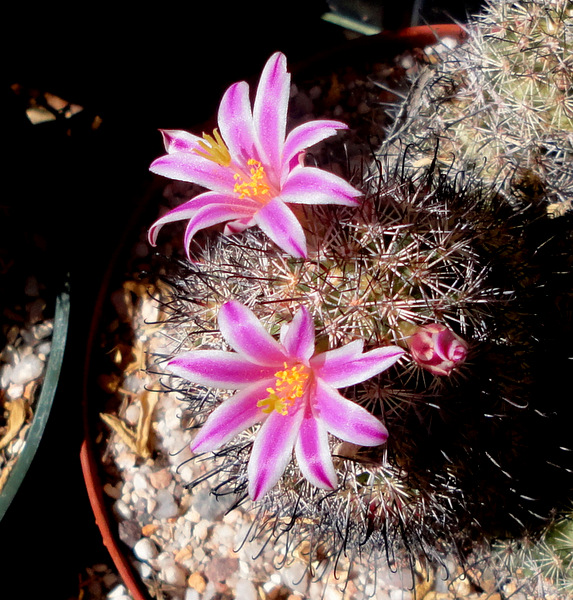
(288, 388)
(251, 168)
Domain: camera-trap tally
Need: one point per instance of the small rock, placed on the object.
(140, 481)
(145, 549)
(197, 582)
(221, 569)
(160, 479)
(166, 505)
(129, 532)
(28, 369)
(246, 590)
(122, 509)
(132, 413)
(119, 592)
(174, 575)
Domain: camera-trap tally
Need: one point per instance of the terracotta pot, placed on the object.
(384, 45)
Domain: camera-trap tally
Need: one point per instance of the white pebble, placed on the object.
(140, 482)
(132, 413)
(28, 369)
(145, 570)
(123, 510)
(43, 349)
(246, 590)
(15, 391)
(118, 593)
(166, 505)
(145, 549)
(174, 575)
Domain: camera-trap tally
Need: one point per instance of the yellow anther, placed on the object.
(290, 384)
(256, 185)
(214, 149)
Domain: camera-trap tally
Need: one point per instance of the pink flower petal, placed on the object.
(176, 140)
(307, 135)
(216, 368)
(246, 334)
(280, 224)
(231, 417)
(313, 452)
(212, 214)
(236, 123)
(270, 111)
(347, 420)
(188, 209)
(188, 166)
(334, 360)
(309, 185)
(298, 336)
(338, 374)
(272, 451)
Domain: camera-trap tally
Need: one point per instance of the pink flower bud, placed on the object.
(436, 348)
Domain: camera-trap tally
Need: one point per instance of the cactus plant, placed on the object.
(500, 105)
(439, 262)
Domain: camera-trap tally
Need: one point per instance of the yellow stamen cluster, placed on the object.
(256, 185)
(214, 149)
(290, 385)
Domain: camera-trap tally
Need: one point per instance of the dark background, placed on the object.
(137, 69)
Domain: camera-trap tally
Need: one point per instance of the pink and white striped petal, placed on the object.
(176, 140)
(231, 417)
(188, 209)
(236, 125)
(191, 167)
(270, 111)
(278, 221)
(298, 336)
(306, 135)
(213, 214)
(309, 185)
(339, 374)
(272, 451)
(313, 452)
(247, 336)
(334, 360)
(347, 420)
(217, 368)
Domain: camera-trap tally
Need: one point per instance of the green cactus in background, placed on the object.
(500, 105)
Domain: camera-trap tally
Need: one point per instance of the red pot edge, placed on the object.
(413, 37)
(426, 34)
(102, 519)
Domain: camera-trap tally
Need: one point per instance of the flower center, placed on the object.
(255, 185)
(214, 149)
(290, 384)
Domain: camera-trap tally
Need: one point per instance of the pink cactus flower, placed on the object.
(252, 171)
(288, 388)
(437, 348)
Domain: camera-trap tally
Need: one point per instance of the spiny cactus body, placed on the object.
(459, 451)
